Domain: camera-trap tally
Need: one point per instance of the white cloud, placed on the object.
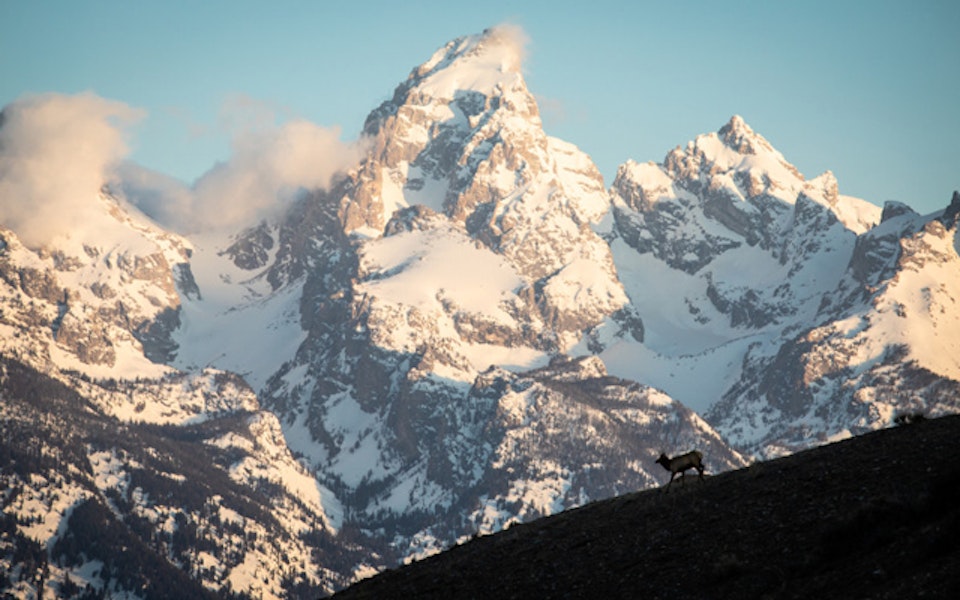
(56, 151)
(269, 165)
(266, 170)
(165, 199)
(511, 36)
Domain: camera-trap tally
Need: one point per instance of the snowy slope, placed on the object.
(236, 322)
(742, 248)
(886, 345)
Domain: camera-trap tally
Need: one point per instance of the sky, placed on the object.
(866, 89)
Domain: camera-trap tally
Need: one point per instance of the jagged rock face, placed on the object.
(621, 428)
(952, 212)
(876, 254)
(252, 249)
(462, 137)
(727, 203)
(738, 178)
(886, 344)
(892, 209)
(116, 292)
(453, 459)
(721, 192)
(817, 307)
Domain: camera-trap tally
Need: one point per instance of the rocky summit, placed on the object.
(463, 331)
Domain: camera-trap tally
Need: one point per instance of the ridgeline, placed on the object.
(876, 516)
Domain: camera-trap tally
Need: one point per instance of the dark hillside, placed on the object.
(876, 516)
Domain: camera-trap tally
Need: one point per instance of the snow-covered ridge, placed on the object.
(746, 253)
(102, 299)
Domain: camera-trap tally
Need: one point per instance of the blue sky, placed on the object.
(867, 89)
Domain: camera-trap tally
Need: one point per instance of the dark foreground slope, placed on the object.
(877, 516)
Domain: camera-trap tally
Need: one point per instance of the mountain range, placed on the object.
(465, 330)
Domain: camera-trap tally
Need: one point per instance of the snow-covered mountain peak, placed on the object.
(736, 146)
(462, 116)
(480, 63)
(739, 136)
(463, 137)
(893, 209)
(736, 179)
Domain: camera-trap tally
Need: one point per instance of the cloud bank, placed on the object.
(267, 169)
(56, 152)
(269, 165)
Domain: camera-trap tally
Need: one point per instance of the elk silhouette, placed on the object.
(680, 464)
